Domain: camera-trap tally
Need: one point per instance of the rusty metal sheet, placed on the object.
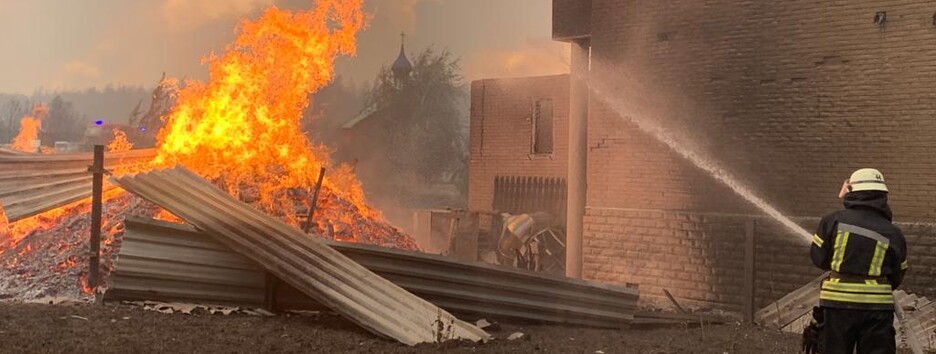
(472, 288)
(33, 183)
(304, 262)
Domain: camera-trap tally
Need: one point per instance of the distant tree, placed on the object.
(423, 129)
(15, 109)
(63, 123)
(147, 124)
(110, 103)
(134, 116)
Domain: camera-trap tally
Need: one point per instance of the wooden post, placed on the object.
(749, 270)
(314, 201)
(495, 200)
(97, 184)
(451, 249)
(270, 284)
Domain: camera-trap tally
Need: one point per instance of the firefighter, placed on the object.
(866, 256)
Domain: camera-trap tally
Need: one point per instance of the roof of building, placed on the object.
(401, 66)
(365, 113)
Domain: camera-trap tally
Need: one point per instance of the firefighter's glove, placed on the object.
(812, 331)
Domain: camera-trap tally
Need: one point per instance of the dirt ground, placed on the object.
(86, 328)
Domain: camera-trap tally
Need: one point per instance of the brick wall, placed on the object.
(789, 97)
(700, 257)
(501, 132)
(571, 19)
(692, 256)
(922, 257)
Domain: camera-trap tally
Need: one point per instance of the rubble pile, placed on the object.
(334, 224)
(53, 258)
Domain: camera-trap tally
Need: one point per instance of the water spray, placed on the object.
(638, 114)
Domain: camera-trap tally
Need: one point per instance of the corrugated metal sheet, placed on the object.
(4, 151)
(172, 262)
(483, 289)
(166, 263)
(792, 313)
(920, 322)
(34, 183)
(792, 307)
(306, 263)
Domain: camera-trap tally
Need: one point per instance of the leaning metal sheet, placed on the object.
(302, 261)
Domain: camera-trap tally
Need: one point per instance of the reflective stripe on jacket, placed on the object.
(865, 252)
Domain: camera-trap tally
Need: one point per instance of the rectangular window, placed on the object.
(543, 126)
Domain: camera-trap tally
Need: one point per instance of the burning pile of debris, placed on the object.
(51, 257)
(47, 254)
(240, 130)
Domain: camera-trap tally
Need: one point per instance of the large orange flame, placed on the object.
(29, 129)
(243, 128)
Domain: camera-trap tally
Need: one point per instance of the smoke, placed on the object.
(81, 69)
(183, 15)
(400, 13)
(96, 43)
(533, 57)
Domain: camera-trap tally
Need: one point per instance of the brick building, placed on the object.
(789, 97)
(505, 115)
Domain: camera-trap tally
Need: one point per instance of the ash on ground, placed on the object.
(52, 259)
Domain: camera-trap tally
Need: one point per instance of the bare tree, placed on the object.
(63, 123)
(162, 100)
(16, 109)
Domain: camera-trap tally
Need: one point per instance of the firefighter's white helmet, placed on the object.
(867, 179)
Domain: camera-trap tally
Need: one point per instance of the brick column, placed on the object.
(578, 156)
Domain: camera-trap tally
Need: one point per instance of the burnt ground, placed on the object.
(113, 328)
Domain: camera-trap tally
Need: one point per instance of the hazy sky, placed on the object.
(78, 44)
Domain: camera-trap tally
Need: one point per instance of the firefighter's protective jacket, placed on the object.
(865, 252)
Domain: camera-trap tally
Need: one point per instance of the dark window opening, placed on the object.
(543, 126)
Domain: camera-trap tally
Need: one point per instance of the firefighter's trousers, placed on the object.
(870, 331)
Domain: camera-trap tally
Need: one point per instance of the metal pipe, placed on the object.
(97, 184)
(578, 157)
(314, 201)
